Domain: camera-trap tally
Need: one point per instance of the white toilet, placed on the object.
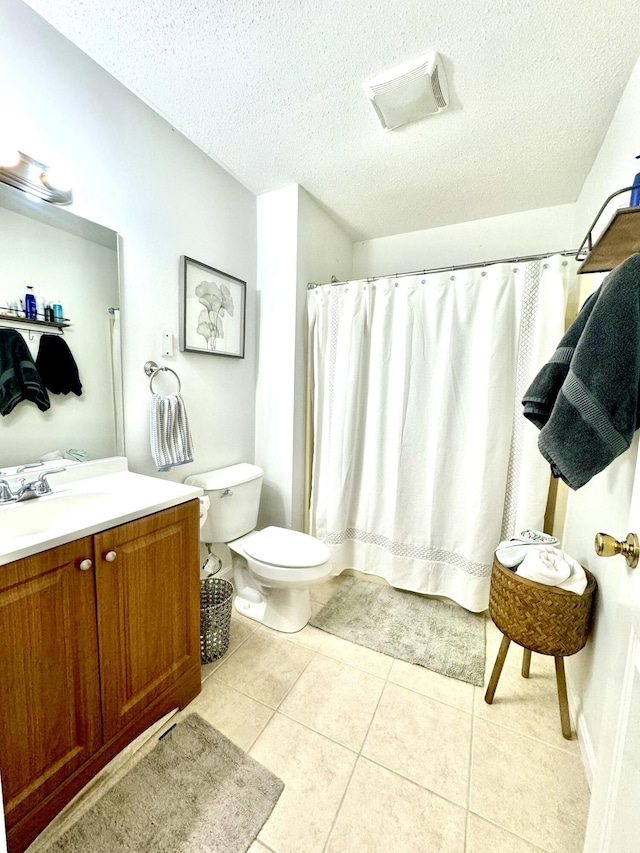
(272, 568)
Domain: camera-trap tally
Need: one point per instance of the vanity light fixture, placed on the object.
(31, 177)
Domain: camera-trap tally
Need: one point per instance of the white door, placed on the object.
(614, 815)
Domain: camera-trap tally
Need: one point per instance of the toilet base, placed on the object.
(286, 610)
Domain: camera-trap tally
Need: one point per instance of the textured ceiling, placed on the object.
(272, 90)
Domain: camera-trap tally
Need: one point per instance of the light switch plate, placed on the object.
(167, 343)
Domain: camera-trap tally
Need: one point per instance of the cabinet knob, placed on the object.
(110, 556)
(607, 546)
(84, 565)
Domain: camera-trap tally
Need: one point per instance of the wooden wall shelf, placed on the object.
(619, 240)
(38, 325)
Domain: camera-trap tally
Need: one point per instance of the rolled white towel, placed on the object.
(512, 551)
(553, 567)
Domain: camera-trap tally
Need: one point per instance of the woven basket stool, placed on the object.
(540, 618)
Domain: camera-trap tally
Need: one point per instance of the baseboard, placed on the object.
(585, 741)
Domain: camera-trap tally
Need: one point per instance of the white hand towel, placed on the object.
(171, 442)
(553, 567)
(512, 551)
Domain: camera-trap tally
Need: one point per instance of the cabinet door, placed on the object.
(49, 688)
(147, 578)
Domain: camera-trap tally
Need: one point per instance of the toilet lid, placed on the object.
(286, 548)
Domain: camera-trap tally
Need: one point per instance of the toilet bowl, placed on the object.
(273, 568)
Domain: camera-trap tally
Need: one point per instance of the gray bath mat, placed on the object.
(196, 791)
(440, 636)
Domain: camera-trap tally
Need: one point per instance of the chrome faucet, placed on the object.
(27, 490)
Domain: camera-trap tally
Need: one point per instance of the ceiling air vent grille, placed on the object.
(410, 92)
(437, 91)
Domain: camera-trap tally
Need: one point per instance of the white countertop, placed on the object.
(87, 498)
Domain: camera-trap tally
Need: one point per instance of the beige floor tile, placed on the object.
(426, 741)
(238, 717)
(256, 847)
(315, 772)
(264, 667)
(527, 705)
(238, 633)
(535, 790)
(359, 656)
(485, 837)
(335, 699)
(432, 684)
(382, 812)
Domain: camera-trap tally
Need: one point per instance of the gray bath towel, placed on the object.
(585, 400)
(19, 379)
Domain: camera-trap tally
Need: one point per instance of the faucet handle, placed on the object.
(41, 485)
(6, 495)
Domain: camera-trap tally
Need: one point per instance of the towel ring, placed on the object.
(152, 369)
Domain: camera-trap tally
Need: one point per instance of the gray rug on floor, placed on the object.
(440, 636)
(195, 791)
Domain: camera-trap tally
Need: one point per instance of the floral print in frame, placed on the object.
(212, 311)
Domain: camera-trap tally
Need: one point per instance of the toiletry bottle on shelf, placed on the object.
(635, 192)
(58, 316)
(39, 308)
(30, 310)
(48, 313)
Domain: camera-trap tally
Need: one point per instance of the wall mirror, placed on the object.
(74, 262)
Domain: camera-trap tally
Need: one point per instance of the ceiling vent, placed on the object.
(410, 92)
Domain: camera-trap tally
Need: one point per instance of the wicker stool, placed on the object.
(541, 618)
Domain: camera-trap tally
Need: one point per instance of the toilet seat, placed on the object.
(287, 549)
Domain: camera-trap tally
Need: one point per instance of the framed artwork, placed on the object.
(212, 311)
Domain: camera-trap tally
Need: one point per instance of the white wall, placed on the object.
(603, 504)
(277, 270)
(297, 243)
(134, 173)
(532, 232)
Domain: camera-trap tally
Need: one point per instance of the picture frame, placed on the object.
(212, 310)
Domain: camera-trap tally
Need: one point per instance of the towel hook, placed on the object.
(152, 369)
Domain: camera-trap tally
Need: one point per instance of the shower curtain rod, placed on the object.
(334, 281)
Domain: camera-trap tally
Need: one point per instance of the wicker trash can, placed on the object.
(540, 618)
(216, 596)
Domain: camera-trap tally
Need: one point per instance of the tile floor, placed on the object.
(378, 755)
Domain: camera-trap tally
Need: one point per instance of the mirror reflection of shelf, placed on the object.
(39, 325)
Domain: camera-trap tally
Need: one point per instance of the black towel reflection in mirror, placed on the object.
(57, 367)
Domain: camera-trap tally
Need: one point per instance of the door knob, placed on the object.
(110, 556)
(84, 565)
(607, 546)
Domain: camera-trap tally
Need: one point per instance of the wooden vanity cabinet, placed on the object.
(91, 655)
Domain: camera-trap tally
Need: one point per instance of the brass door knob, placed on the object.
(607, 546)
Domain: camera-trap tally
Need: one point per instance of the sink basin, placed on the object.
(86, 499)
(39, 515)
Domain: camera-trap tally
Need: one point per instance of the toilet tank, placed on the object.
(234, 494)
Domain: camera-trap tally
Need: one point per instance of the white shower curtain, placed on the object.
(422, 460)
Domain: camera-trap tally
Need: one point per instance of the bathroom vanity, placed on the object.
(99, 630)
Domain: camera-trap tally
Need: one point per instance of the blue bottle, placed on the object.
(58, 316)
(635, 192)
(30, 309)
